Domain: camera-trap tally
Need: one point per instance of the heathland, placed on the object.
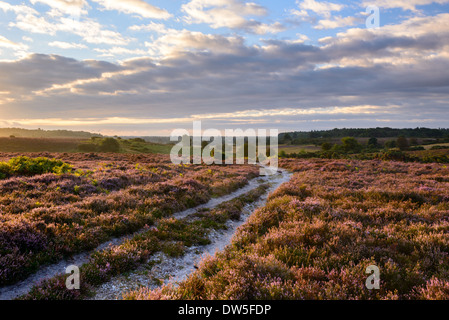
(351, 202)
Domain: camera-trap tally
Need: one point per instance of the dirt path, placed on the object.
(172, 270)
(107, 290)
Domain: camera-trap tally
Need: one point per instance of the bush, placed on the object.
(326, 146)
(109, 145)
(350, 144)
(29, 166)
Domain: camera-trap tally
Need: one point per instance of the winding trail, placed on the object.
(176, 268)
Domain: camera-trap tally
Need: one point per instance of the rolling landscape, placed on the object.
(223, 158)
(134, 221)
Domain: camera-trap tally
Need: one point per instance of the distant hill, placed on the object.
(152, 139)
(51, 134)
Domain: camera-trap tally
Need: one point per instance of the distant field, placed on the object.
(428, 147)
(145, 147)
(38, 144)
(18, 144)
(295, 149)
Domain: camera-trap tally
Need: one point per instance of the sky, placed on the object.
(147, 67)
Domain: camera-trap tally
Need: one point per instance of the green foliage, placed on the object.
(326, 146)
(402, 143)
(390, 144)
(350, 144)
(372, 142)
(109, 145)
(28, 166)
(367, 133)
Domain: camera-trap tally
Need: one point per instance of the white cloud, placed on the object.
(91, 31)
(67, 45)
(120, 51)
(70, 7)
(27, 39)
(230, 14)
(19, 49)
(17, 9)
(403, 4)
(151, 27)
(5, 43)
(138, 7)
(175, 42)
(337, 22)
(321, 8)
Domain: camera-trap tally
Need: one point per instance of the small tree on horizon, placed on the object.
(402, 143)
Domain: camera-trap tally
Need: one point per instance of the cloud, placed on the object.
(70, 7)
(39, 71)
(19, 49)
(337, 22)
(120, 51)
(229, 14)
(90, 30)
(403, 4)
(137, 7)
(17, 9)
(151, 27)
(67, 45)
(413, 41)
(177, 42)
(396, 73)
(321, 8)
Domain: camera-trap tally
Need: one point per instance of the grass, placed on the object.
(72, 145)
(130, 146)
(429, 146)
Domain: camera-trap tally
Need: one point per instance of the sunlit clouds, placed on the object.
(150, 66)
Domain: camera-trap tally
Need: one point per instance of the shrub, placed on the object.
(28, 166)
(109, 145)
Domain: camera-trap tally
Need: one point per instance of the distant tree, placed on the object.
(390, 144)
(413, 141)
(372, 142)
(109, 145)
(326, 146)
(287, 138)
(350, 144)
(402, 143)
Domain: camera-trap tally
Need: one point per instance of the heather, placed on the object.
(168, 235)
(319, 232)
(53, 208)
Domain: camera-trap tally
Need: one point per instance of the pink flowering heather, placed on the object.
(319, 232)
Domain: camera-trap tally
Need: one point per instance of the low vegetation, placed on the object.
(319, 232)
(51, 209)
(168, 235)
